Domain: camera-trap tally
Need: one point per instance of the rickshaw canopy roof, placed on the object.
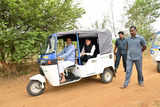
(104, 38)
(81, 33)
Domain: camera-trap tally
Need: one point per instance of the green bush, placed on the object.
(26, 23)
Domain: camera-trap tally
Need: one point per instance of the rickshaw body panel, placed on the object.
(96, 65)
(155, 49)
(52, 74)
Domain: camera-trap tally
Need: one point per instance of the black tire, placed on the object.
(107, 76)
(158, 67)
(39, 89)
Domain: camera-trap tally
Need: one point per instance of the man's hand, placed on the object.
(115, 52)
(83, 54)
(59, 58)
(144, 48)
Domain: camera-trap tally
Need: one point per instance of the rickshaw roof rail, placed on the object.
(84, 33)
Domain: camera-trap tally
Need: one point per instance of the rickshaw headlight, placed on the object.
(152, 52)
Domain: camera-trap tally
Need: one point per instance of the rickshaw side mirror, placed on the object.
(40, 45)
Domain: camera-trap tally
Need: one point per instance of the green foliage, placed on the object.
(142, 14)
(26, 23)
(114, 41)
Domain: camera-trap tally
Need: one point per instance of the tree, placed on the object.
(26, 23)
(142, 14)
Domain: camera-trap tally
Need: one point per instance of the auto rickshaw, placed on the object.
(102, 64)
(155, 49)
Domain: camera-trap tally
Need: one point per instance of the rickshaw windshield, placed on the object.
(156, 40)
(49, 46)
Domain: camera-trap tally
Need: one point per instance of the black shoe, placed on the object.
(115, 70)
(123, 87)
(124, 70)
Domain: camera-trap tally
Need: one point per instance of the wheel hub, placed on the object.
(107, 76)
(36, 87)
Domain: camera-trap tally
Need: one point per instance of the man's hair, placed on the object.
(88, 39)
(68, 38)
(133, 27)
(121, 32)
(65, 39)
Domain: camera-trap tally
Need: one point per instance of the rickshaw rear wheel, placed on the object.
(158, 67)
(107, 76)
(34, 88)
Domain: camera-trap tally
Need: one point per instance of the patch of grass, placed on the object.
(19, 70)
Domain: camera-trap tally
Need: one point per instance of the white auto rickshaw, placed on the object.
(102, 64)
(155, 49)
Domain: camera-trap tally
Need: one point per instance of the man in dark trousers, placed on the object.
(135, 46)
(120, 50)
(87, 51)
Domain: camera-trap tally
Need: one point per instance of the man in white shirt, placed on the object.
(87, 51)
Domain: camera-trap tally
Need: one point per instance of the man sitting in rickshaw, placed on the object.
(68, 54)
(87, 51)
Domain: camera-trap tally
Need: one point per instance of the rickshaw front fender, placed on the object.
(39, 78)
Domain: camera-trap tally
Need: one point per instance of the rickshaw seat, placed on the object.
(71, 66)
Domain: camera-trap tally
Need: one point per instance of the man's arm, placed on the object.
(61, 53)
(115, 48)
(68, 52)
(127, 44)
(144, 48)
(92, 51)
(143, 44)
(82, 52)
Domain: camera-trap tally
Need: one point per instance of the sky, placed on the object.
(97, 9)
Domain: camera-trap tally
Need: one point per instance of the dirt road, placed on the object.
(88, 92)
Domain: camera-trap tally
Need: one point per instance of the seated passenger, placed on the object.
(87, 51)
(68, 54)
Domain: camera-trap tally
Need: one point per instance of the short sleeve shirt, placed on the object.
(135, 45)
(121, 45)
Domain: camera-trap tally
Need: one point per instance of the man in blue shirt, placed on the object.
(135, 46)
(68, 55)
(120, 50)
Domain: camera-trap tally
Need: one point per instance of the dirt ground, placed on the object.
(89, 92)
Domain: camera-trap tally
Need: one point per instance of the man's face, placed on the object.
(121, 35)
(69, 41)
(133, 31)
(88, 42)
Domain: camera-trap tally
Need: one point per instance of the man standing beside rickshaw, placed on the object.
(135, 46)
(120, 50)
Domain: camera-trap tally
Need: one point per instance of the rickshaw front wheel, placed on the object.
(34, 88)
